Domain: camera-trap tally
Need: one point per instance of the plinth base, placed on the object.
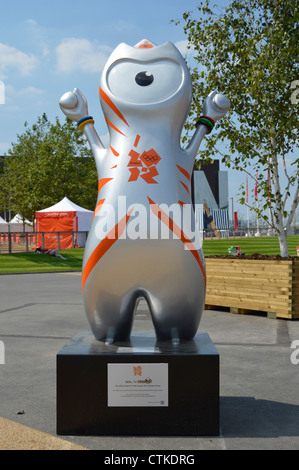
(138, 388)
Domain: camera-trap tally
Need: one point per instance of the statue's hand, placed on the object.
(216, 106)
(74, 105)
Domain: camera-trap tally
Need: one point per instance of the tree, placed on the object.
(47, 163)
(249, 51)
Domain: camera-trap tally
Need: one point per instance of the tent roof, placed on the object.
(2, 221)
(18, 219)
(65, 205)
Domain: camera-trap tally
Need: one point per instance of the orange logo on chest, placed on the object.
(143, 165)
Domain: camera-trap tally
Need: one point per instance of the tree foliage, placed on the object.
(46, 163)
(249, 51)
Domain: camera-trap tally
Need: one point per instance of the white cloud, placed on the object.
(23, 92)
(2, 92)
(10, 57)
(46, 51)
(31, 22)
(17, 99)
(80, 54)
(30, 90)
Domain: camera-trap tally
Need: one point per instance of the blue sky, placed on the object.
(48, 48)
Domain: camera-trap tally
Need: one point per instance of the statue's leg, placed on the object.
(111, 318)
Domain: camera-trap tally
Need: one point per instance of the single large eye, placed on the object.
(143, 79)
(129, 80)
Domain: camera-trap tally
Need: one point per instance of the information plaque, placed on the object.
(140, 387)
(137, 384)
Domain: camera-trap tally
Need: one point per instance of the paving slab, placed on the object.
(259, 372)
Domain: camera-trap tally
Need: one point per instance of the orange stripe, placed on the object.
(112, 105)
(98, 207)
(104, 246)
(102, 183)
(137, 140)
(113, 127)
(185, 172)
(186, 187)
(182, 203)
(178, 232)
(114, 152)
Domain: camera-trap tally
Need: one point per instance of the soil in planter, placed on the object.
(256, 256)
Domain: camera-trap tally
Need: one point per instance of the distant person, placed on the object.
(49, 252)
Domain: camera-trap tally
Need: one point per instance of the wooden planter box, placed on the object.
(243, 285)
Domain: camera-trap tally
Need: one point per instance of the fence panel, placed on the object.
(22, 242)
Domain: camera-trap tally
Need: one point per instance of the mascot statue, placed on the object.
(142, 241)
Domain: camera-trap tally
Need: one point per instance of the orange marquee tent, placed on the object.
(65, 216)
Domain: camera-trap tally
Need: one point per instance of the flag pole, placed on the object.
(256, 202)
(248, 231)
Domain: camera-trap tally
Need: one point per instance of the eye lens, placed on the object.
(143, 79)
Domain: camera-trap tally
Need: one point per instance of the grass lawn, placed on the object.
(34, 262)
(261, 245)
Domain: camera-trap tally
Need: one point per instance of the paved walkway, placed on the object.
(40, 313)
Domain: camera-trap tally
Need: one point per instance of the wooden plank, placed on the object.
(245, 262)
(243, 311)
(239, 260)
(254, 285)
(251, 286)
(271, 274)
(250, 300)
(244, 290)
(249, 272)
(254, 304)
(246, 293)
(287, 316)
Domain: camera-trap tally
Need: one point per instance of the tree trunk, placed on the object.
(278, 212)
(282, 236)
(293, 209)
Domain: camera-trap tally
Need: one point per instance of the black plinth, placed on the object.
(192, 383)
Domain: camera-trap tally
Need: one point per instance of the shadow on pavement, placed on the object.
(249, 417)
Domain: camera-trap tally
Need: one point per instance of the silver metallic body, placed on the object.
(131, 251)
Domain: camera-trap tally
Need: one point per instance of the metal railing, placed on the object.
(21, 242)
(17, 242)
(239, 233)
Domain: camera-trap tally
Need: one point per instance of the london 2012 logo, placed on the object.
(143, 165)
(138, 373)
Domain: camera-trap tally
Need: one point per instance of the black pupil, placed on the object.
(143, 79)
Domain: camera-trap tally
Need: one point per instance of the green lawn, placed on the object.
(261, 245)
(34, 262)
